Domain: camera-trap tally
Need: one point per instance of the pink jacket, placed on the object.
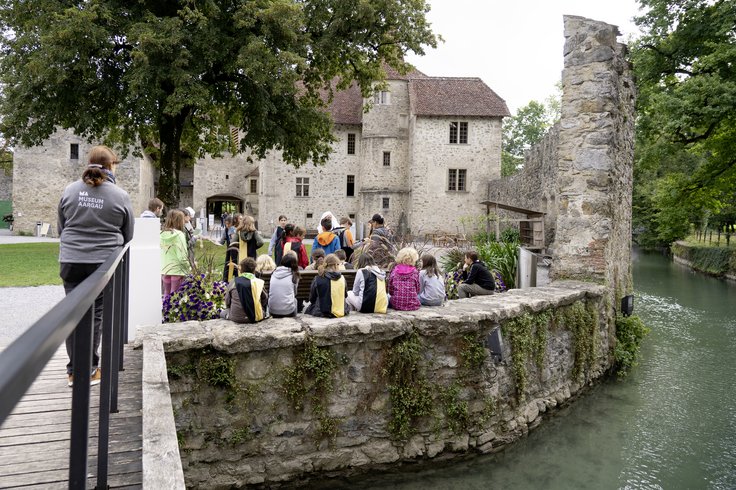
(403, 286)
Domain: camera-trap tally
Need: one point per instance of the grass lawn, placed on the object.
(37, 264)
(29, 264)
(694, 242)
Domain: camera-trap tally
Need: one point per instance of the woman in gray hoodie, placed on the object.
(282, 287)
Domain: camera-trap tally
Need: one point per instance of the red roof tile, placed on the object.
(445, 96)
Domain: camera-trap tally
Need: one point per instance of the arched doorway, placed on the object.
(224, 203)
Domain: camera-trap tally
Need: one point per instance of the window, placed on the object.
(458, 132)
(351, 216)
(385, 202)
(351, 186)
(74, 151)
(382, 97)
(351, 143)
(386, 158)
(253, 186)
(456, 179)
(310, 215)
(302, 187)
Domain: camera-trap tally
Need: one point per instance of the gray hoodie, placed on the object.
(281, 292)
(93, 221)
(431, 289)
(359, 283)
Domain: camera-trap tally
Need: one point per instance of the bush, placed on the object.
(502, 257)
(196, 299)
(630, 331)
(711, 260)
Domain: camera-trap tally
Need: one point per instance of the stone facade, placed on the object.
(41, 173)
(236, 424)
(6, 186)
(398, 165)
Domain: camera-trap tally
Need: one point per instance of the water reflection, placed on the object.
(671, 424)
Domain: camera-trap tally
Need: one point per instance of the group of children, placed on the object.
(404, 288)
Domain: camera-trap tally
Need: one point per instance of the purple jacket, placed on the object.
(403, 286)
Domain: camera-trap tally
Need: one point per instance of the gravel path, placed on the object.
(21, 307)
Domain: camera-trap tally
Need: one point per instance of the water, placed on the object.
(671, 424)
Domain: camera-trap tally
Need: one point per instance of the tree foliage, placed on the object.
(685, 65)
(178, 75)
(523, 130)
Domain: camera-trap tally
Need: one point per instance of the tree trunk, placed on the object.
(170, 131)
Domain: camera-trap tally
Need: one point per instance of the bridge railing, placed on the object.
(23, 360)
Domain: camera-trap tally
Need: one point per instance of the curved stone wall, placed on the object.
(249, 408)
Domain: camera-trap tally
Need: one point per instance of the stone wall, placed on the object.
(6, 186)
(41, 173)
(402, 387)
(581, 173)
(596, 152)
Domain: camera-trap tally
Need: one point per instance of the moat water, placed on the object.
(671, 424)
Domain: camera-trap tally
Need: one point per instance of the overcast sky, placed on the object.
(515, 46)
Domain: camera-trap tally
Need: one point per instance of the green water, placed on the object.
(670, 425)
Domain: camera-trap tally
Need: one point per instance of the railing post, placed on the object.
(106, 365)
(117, 344)
(82, 366)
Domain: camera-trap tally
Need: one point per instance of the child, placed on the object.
(318, 256)
(343, 264)
(245, 297)
(327, 240)
(369, 289)
(328, 291)
(264, 263)
(282, 288)
(250, 239)
(346, 237)
(231, 261)
(277, 235)
(403, 282)
(431, 283)
(174, 252)
(278, 249)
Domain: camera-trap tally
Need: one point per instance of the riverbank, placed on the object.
(715, 261)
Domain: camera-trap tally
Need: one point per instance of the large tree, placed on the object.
(176, 76)
(685, 65)
(523, 130)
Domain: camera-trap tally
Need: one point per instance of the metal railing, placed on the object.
(23, 360)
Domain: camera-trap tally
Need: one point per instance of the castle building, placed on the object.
(422, 156)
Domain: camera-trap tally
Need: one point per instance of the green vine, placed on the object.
(472, 354)
(582, 321)
(630, 331)
(311, 377)
(213, 369)
(456, 410)
(527, 335)
(409, 391)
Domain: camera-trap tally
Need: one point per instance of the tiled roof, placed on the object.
(429, 96)
(445, 96)
(347, 106)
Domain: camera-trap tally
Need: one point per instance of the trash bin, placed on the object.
(38, 228)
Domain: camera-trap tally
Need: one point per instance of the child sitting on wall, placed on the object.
(282, 288)
(403, 282)
(328, 291)
(264, 263)
(318, 256)
(245, 299)
(369, 289)
(431, 283)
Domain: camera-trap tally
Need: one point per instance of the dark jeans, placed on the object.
(73, 275)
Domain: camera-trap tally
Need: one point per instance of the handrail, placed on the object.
(24, 359)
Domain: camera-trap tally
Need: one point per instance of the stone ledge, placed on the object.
(454, 317)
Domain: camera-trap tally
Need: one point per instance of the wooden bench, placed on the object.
(305, 281)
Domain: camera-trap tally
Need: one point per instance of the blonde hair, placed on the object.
(331, 263)
(407, 256)
(265, 263)
(247, 224)
(174, 220)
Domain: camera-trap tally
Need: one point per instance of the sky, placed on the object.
(514, 46)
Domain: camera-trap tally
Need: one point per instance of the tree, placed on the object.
(685, 65)
(523, 130)
(177, 75)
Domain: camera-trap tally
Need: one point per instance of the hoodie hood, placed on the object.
(246, 235)
(325, 238)
(170, 236)
(405, 269)
(376, 271)
(281, 272)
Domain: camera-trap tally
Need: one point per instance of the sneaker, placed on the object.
(71, 380)
(96, 377)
